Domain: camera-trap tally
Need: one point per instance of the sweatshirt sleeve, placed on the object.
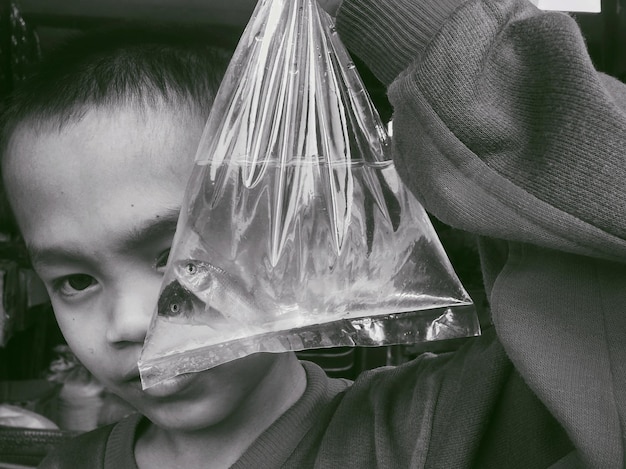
(502, 126)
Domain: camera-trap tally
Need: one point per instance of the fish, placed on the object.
(220, 291)
(179, 305)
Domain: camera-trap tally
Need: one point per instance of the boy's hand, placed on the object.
(331, 6)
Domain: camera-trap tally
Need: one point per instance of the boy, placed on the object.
(488, 107)
(108, 168)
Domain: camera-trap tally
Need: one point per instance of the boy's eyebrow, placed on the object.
(50, 255)
(160, 226)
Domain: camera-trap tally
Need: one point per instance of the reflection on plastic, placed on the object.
(296, 230)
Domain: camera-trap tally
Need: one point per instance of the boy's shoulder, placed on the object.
(465, 408)
(89, 449)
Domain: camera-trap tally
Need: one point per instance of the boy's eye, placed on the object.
(162, 260)
(80, 282)
(73, 284)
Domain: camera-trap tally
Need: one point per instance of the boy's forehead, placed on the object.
(98, 153)
(115, 134)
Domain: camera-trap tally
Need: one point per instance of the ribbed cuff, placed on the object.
(389, 34)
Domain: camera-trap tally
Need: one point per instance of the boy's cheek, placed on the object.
(91, 356)
(80, 336)
(74, 331)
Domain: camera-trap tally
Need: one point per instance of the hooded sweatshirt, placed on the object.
(503, 128)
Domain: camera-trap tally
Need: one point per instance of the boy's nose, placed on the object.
(130, 313)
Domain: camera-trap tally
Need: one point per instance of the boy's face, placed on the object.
(97, 204)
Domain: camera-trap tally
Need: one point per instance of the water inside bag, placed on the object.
(296, 230)
(254, 270)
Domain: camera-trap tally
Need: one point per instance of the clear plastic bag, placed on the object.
(296, 231)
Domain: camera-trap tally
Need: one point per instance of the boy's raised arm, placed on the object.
(506, 97)
(502, 127)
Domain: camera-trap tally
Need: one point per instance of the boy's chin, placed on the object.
(181, 421)
(190, 413)
(196, 401)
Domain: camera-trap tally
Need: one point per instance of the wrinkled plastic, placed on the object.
(296, 230)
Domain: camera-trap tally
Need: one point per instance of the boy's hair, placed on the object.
(126, 63)
(134, 64)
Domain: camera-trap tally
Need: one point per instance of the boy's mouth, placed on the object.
(170, 386)
(132, 377)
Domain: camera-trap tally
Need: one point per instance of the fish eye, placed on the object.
(174, 308)
(191, 268)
